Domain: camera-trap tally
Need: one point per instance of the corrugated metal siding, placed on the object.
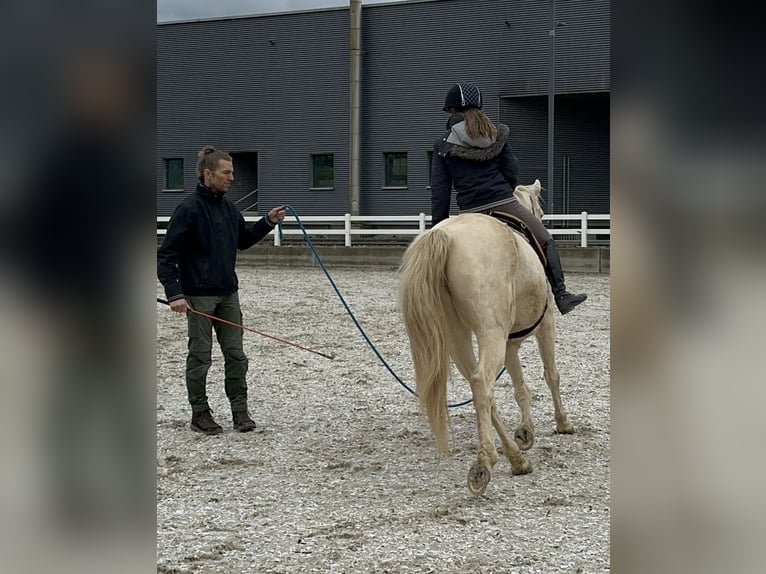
(581, 133)
(414, 53)
(221, 82)
(274, 85)
(582, 46)
(527, 119)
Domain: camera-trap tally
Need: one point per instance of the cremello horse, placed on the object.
(472, 274)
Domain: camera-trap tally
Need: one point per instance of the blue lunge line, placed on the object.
(348, 309)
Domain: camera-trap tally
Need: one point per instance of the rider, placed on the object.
(475, 158)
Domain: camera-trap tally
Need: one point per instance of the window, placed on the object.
(396, 169)
(174, 173)
(322, 171)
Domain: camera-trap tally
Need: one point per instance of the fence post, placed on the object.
(584, 229)
(347, 228)
(275, 231)
(421, 222)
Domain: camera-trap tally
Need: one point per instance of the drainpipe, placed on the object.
(551, 101)
(355, 101)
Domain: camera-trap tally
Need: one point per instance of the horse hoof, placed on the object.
(564, 428)
(524, 437)
(524, 468)
(478, 479)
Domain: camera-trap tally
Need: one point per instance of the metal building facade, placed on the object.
(274, 89)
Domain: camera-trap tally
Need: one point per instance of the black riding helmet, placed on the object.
(463, 96)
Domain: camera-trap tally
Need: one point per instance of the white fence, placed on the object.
(401, 225)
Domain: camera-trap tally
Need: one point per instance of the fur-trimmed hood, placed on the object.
(474, 153)
(481, 176)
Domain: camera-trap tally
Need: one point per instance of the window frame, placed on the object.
(169, 188)
(386, 185)
(312, 158)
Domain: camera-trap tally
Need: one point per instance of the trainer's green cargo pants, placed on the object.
(200, 349)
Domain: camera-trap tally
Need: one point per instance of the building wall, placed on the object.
(581, 148)
(274, 85)
(278, 85)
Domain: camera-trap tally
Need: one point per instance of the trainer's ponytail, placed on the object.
(208, 158)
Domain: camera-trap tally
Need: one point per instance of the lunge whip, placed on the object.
(214, 318)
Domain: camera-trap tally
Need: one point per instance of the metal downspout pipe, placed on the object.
(355, 101)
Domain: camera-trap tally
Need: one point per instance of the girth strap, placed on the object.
(528, 330)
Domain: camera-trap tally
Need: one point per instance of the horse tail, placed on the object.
(423, 300)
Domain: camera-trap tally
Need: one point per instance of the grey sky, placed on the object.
(168, 10)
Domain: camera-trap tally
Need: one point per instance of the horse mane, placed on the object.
(529, 197)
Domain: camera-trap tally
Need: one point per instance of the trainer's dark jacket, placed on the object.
(484, 172)
(198, 254)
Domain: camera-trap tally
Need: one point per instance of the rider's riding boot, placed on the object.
(565, 300)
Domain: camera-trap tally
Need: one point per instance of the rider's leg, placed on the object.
(565, 301)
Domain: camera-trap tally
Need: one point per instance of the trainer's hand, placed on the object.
(179, 306)
(276, 214)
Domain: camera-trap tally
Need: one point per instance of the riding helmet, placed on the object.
(463, 96)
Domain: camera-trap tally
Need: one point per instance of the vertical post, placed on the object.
(551, 97)
(421, 222)
(355, 94)
(584, 229)
(347, 229)
(277, 241)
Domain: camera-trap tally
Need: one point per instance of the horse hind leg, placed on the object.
(519, 465)
(491, 350)
(460, 347)
(524, 434)
(545, 343)
(462, 353)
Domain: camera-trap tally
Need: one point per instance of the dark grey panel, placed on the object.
(278, 85)
(581, 148)
(274, 85)
(582, 153)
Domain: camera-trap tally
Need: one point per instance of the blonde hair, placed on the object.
(478, 125)
(208, 158)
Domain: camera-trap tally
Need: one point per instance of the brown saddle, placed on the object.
(518, 225)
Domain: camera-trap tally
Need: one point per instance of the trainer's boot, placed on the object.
(203, 422)
(242, 421)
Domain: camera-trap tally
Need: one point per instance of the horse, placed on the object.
(472, 275)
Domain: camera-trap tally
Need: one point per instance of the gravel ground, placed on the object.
(345, 476)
